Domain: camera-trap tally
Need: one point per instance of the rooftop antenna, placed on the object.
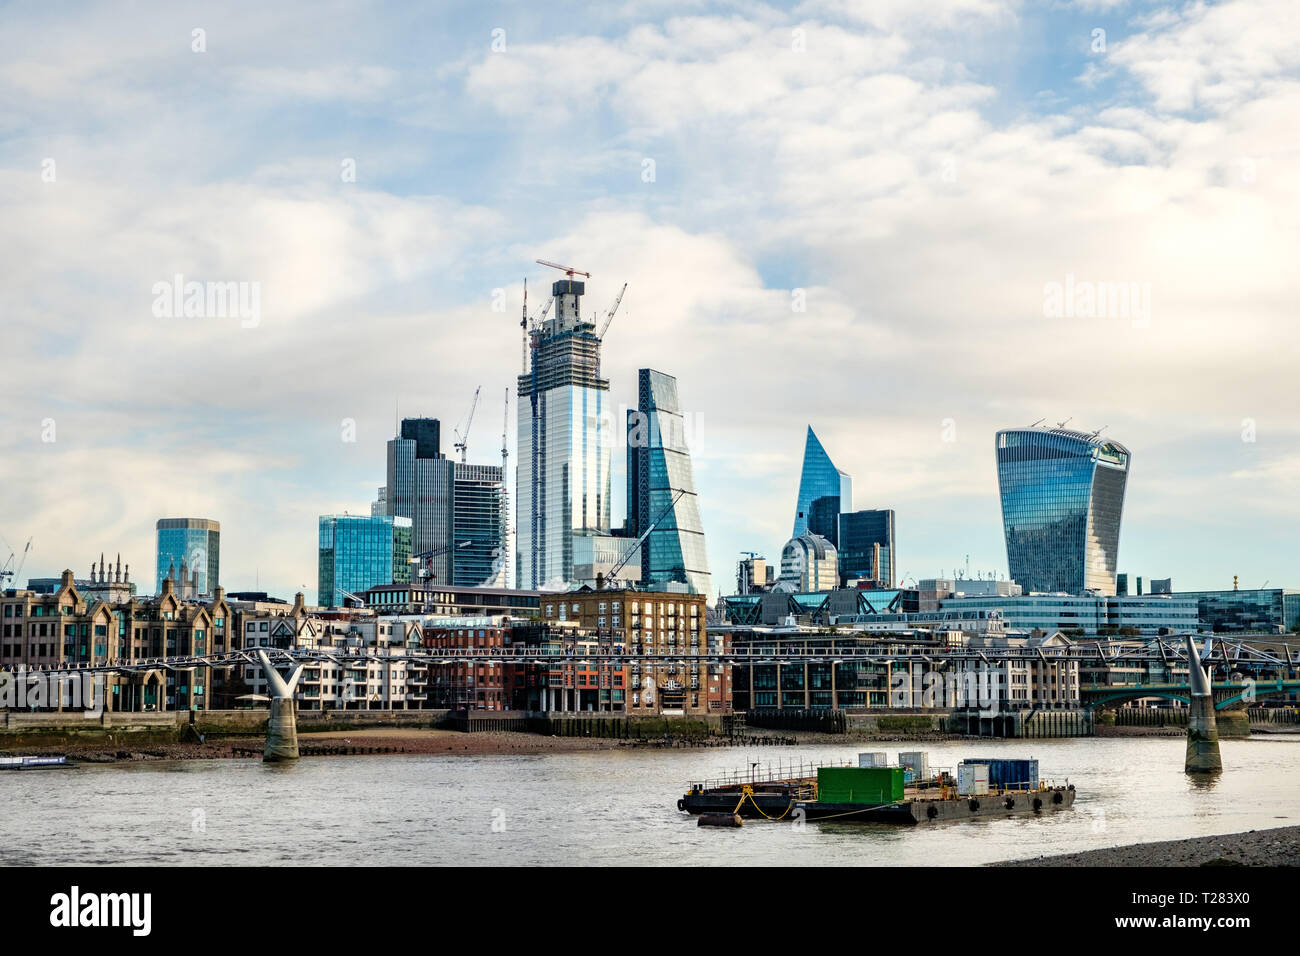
(1064, 423)
(1099, 431)
(1037, 423)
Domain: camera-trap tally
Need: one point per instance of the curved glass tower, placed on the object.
(1062, 497)
(820, 480)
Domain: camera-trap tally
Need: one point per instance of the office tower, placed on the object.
(1121, 584)
(195, 544)
(449, 503)
(661, 485)
(1162, 585)
(380, 505)
(477, 492)
(563, 476)
(820, 479)
(867, 547)
(1062, 497)
(358, 552)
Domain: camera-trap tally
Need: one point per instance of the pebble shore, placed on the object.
(1275, 847)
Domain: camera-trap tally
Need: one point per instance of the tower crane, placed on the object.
(7, 570)
(602, 580)
(567, 270)
(461, 446)
(427, 557)
(609, 316)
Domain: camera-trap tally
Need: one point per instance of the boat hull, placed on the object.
(919, 810)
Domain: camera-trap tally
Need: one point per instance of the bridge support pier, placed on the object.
(1202, 727)
(282, 727)
(281, 732)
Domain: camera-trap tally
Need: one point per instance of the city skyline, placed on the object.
(855, 301)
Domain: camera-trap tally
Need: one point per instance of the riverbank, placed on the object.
(1275, 847)
(384, 740)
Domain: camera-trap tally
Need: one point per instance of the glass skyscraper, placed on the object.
(359, 552)
(563, 480)
(820, 479)
(1062, 498)
(194, 542)
(658, 468)
(449, 503)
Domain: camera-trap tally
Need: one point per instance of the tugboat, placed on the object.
(878, 794)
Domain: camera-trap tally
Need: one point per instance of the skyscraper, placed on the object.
(819, 479)
(449, 503)
(563, 477)
(194, 543)
(1062, 497)
(867, 547)
(359, 552)
(659, 480)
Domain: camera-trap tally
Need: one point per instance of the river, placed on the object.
(605, 807)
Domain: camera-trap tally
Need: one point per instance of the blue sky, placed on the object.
(921, 171)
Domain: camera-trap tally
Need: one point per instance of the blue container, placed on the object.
(1009, 774)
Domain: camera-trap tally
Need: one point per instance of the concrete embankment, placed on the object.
(1275, 847)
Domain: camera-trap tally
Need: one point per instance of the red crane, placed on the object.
(567, 270)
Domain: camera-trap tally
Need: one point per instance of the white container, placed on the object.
(917, 761)
(873, 760)
(972, 779)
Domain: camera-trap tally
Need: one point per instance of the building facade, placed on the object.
(1062, 499)
(653, 622)
(359, 552)
(194, 543)
(1271, 610)
(563, 477)
(1088, 614)
(661, 485)
(820, 479)
(808, 563)
(867, 549)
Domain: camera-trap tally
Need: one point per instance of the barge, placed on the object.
(869, 795)
(35, 763)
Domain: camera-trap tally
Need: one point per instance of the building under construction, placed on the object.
(564, 450)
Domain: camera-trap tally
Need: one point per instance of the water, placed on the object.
(604, 807)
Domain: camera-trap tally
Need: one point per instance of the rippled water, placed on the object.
(603, 807)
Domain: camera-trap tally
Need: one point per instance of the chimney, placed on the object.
(66, 578)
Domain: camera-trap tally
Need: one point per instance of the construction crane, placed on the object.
(609, 316)
(8, 572)
(469, 420)
(426, 572)
(567, 270)
(523, 328)
(602, 580)
(505, 485)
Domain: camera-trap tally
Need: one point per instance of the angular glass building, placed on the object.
(658, 468)
(194, 542)
(563, 480)
(1062, 498)
(359, 552)
(820, 479)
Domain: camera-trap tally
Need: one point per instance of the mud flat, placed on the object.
(1279, 847)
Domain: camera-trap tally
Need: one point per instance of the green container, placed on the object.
(871, 786)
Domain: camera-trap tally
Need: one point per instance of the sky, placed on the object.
(883, 219)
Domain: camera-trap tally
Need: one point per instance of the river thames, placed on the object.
(606, 807)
